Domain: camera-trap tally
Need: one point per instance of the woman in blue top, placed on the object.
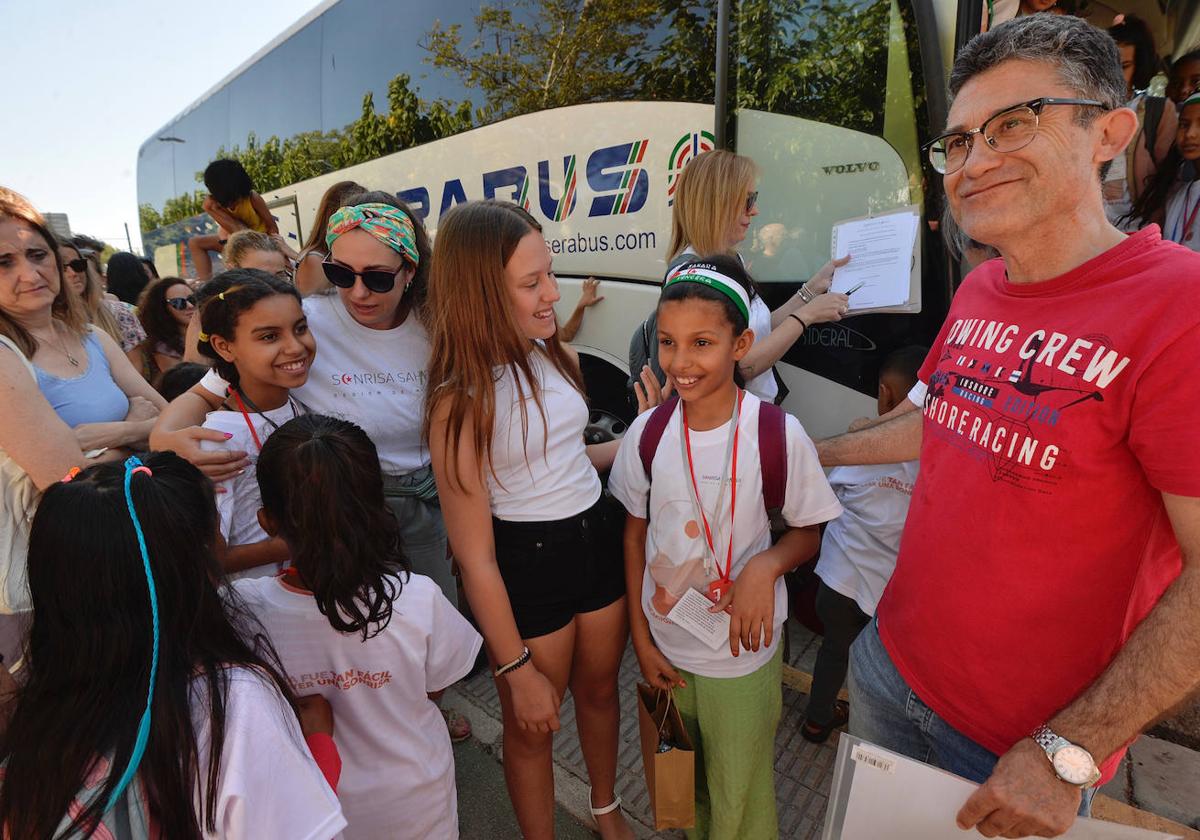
(68, 395)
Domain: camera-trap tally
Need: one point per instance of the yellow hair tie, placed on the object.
(204, 337)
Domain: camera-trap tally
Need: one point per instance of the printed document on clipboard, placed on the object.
(884, 272)
(877, 794)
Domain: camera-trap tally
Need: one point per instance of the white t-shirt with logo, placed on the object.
(269, 784)
(238, 505)
(373, 378)
(542, 470)
(676, 550)
(858, 551)
(397, 764)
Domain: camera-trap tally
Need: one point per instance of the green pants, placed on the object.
(732, 724)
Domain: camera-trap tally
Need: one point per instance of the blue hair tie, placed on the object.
(134, 465)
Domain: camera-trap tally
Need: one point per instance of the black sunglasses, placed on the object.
(751, 201)
(182, 303)
(380, 282)
(77, 265)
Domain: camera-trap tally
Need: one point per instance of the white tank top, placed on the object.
(541, 470)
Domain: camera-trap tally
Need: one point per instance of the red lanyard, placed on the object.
(246, 415)
(687, 438)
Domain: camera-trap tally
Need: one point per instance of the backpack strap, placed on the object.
(1153, 116)
(652, 434)
(772, 456)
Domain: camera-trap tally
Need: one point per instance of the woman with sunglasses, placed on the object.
(370, 368)
(165, 310)
(715, 201)
(115, 317)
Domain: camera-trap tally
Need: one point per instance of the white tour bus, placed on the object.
(586, 121)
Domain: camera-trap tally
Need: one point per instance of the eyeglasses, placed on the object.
(380, 282)
(1006, 131)
(751, 201)
(78, 266)
(182, 303)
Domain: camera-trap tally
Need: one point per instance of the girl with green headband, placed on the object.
(697, 528)
(1174, 192)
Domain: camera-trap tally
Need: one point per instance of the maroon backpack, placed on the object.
(772, 452)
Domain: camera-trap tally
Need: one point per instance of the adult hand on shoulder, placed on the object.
(820, 282)
(656, 668)
(217, 464)
(535, 701)
(750, 602)
(1022, 798)
(831, 306)
(316, 715)
(648, 392)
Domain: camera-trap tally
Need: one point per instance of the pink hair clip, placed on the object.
(71, 473)
(142, 469)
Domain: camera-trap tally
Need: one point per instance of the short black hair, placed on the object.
(125, 277)
(179, 379)
(221, 302)
(227, 181)
(904, 363)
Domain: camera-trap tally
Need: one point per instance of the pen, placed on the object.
(856, 288)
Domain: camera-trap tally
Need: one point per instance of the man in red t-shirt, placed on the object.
(1045, 607)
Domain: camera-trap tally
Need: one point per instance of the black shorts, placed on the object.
(557, 569)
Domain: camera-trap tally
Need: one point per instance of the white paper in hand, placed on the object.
(691, 613)
(881, 258)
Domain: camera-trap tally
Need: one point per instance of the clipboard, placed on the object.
(911, 303)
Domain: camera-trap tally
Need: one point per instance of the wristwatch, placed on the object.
(1071, 762)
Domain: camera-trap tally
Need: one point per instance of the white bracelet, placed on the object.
(805, 294)
(515, 664)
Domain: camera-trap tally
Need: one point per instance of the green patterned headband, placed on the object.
(714, 280)
(390, 225)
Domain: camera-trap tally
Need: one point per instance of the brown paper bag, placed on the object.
(670, 774)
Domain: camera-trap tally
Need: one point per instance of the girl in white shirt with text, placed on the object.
(351, 623)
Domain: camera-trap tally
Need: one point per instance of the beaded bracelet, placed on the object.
(515, 664)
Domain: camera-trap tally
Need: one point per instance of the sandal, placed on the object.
(818, 734)
(457, 725)
(607, 809)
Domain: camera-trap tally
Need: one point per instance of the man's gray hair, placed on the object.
(1085, 57)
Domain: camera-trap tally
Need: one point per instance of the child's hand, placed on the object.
(750, 602)
(656, 668)
(316, 715)
(590, 296)
(208, 205)
(648, 392)
(535, 700)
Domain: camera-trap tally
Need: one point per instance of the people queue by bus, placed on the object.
(212, 583)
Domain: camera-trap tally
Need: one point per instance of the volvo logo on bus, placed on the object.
(615, 175)
(850, 168)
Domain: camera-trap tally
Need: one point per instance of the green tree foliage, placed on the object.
(530, 55)
(275, 163)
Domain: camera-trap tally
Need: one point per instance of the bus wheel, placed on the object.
(602, 427)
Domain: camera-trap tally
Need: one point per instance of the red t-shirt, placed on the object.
(1057, 415)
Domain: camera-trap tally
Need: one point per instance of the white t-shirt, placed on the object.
(1184, 198)
(373, 378)
(397, 764)
(675, 545)
(269, 784)
(542, 471)
(238, 505)
(858, 551)
(764, 385)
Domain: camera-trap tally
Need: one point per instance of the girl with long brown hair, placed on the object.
(115, 317)
(310, 277)
(539, 552)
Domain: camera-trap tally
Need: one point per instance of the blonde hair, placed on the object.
(245, 241)
(92, 297)
(710, 195)
(66, 308)
(472, 326)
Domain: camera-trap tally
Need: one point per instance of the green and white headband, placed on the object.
(708, 276)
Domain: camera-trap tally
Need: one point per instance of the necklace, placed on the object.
(62, 345)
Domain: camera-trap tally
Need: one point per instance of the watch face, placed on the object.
(1073, 765)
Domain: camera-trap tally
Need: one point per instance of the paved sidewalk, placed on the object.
(1159, 777)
